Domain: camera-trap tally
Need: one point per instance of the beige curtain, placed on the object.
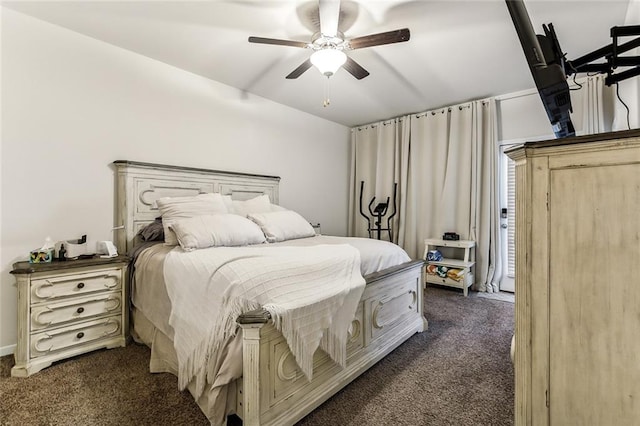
(444, 164)
(439, 178)
(487, 198)
(598, 105)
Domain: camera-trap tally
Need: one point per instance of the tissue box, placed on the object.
(41, 256)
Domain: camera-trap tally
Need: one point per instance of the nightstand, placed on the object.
(461, 257)
(69, 308)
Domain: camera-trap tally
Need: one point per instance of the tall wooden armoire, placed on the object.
(577, 352)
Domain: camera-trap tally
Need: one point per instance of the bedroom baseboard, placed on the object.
(7, 350)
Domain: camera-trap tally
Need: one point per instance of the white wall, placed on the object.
(71, 105)
(521, 115)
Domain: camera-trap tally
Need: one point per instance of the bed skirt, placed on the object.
(164, 359)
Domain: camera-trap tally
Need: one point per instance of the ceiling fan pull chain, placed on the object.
(327, 101)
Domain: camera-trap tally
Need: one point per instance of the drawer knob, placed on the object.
(80, 285)
(80, 335)
(80, 310)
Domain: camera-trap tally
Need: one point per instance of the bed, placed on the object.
(270, 388)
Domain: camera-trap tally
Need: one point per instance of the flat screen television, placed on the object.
(546, 63)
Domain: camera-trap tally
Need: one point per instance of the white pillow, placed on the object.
(259, 204)
(228, 202)
(174, 208)
(216, 230)
(283, 225)
(277, 208)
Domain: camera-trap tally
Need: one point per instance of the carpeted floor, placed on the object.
(456, 373)
(501, 295)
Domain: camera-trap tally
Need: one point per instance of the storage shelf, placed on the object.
(465, 262)
(457, 263)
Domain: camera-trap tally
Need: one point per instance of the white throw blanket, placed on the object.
(312, 294)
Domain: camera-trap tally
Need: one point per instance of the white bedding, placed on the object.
(149, 293)
(151, 288)
(375, 255)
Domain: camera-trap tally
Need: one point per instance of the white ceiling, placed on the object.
(459, 50)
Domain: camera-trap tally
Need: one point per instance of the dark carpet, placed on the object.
(456, 373)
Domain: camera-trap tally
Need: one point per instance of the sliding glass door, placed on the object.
(507, 221)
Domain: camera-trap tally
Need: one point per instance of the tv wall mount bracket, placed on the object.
(611, 53)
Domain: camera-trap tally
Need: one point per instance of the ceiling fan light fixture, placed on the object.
(328, 60)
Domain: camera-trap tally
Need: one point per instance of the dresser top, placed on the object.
(56, 265)
(598, 137)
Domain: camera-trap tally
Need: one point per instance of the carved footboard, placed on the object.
(273, 391)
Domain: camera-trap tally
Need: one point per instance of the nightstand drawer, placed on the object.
(46, 289)
(60, 339)
(465, 280)
(82, 308)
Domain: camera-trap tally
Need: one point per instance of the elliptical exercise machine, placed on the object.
(378, 213)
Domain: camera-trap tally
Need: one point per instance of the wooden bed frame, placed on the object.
(272, 390)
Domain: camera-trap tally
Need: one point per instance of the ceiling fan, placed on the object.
(329, 45)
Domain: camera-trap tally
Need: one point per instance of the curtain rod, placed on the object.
(420, 114)
(374, 125)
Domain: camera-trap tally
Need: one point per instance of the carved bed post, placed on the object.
(251, 323)
(251, 374)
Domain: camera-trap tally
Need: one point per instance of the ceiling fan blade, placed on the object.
(329, 11)
(298, 71)
(278, 42)
(389, 37)
(355, 69)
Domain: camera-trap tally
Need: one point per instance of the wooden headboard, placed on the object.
(139, 185)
